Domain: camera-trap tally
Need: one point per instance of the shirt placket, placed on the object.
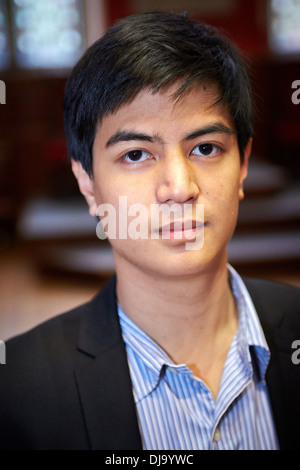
(226, 397)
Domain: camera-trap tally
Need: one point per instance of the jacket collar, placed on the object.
(103, 378)
(278, 311)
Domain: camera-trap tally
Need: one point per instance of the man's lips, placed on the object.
(180, 227)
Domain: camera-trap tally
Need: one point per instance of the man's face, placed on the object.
(156, 152)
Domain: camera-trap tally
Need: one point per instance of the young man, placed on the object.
(177, 351)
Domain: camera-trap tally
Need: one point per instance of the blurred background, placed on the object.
(50, 257)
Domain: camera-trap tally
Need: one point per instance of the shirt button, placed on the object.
(217, 435)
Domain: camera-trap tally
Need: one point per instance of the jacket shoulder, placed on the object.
(39, 401)
(278, 307)
(58, 334)
(275, 302)
(53, 334)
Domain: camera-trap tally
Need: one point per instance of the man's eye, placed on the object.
(135, 156)
(206, 150)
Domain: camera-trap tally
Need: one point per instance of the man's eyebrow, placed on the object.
(126, 135)
(216, 127)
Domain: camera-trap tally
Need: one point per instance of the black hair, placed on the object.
(154, 50)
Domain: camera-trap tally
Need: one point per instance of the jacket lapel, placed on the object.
(277, 306)
(103, 378)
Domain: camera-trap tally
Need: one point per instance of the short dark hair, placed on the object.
(154, 50)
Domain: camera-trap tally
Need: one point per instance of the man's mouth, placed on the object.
(180, 229)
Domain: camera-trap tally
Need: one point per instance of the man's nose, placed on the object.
(177, 181)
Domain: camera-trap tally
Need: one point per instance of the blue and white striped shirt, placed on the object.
(176, 411)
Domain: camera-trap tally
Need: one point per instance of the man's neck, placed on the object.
(190, 317)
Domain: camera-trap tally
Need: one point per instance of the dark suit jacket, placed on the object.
(66, 383)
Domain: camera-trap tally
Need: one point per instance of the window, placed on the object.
(5, 47)
(284, 27)
(45, 34)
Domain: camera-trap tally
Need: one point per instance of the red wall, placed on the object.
(245, 24)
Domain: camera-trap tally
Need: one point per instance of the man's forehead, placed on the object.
(174, 93)
(147, 104)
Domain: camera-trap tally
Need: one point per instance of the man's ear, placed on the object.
(244, 168)
(86, 186)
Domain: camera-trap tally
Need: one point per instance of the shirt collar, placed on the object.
(152, 360)
(253, 346)
(145, 354)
